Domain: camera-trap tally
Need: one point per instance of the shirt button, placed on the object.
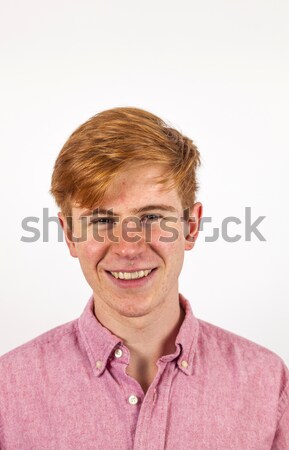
(118, 353)
(98, 364)
(184, 363)
(133, 400)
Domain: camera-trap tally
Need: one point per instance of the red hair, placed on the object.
(108, 142)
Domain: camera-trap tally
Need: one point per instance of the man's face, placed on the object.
(110, 255)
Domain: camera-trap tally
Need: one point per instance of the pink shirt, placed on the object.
(68, 389)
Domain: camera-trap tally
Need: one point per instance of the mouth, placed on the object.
(135, 278)
(132, 275)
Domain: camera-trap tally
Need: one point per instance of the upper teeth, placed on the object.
(131, 275)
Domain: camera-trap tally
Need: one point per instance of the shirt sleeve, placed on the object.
(1, 429)
(281, 439)
(1, 436)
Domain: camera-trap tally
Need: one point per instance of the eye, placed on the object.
(151, 218)
(102, 221)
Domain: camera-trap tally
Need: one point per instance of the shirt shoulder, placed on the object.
(248, 363)
(46, 343)
(227, 343)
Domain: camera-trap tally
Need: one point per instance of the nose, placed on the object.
(129, 240)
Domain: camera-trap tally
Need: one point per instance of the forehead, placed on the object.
(137, 187)
(140, 184)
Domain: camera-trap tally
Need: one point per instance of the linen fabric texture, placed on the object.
(67, 390)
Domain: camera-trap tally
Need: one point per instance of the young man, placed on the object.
(137, 370)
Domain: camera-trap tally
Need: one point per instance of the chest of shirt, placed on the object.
(80, 411)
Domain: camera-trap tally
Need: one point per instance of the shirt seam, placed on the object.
(2, 436)
(283, 399)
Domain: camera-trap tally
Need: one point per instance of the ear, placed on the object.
(192, 225)
(68, 234)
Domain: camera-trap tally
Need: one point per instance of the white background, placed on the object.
(217, 70)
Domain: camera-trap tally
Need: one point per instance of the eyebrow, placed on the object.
(109, 212)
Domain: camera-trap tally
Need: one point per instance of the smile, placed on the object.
(131, 275)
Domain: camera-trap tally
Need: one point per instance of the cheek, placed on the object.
(90, 252)
(171, 234)
(170, 245)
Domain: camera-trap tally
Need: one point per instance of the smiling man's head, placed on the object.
(126, 166)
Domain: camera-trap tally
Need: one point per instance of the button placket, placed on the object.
(150, 433)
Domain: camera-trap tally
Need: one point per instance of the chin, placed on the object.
(134, 308)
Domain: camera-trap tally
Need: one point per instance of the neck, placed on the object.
(147, 337)
(150, 336)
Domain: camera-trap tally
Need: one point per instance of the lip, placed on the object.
(131, 270)
(138, 282)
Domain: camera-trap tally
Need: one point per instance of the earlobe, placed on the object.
(67, 234)
(192, 225)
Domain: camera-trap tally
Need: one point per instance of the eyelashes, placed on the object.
(148, 218)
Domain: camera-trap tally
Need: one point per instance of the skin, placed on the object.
(150, 313)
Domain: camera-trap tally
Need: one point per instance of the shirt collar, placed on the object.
(99, 342)
(187, 337)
